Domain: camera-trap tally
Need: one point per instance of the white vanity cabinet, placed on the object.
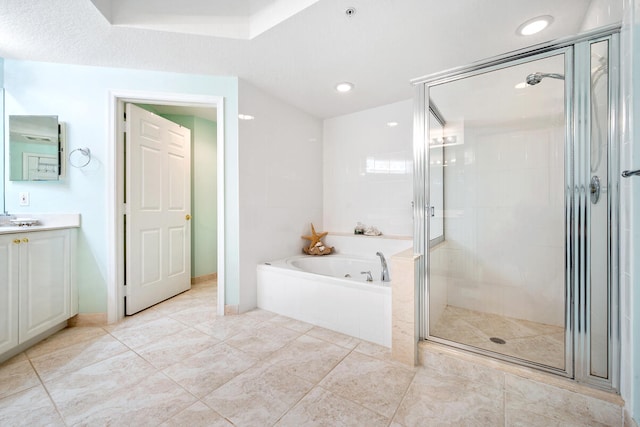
(44, 281)
(37, 289)
(8, 293)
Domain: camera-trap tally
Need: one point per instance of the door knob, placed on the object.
(187, 217)
(16, 241)
(25, 240)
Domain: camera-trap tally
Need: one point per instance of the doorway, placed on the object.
(518, 153)
(116, 289)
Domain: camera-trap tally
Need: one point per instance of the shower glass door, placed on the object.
(498, 280)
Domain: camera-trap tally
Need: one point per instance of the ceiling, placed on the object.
(301, 57)
(239, 19)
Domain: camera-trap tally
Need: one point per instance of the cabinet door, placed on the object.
(44, 281)
(9, 252)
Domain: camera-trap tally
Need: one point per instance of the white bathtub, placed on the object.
(314, 289)
(339, 266)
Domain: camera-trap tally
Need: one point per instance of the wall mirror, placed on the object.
(36, 149)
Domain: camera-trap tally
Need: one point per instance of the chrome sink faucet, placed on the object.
(385, 270)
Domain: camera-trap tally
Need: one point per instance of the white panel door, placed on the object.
(9, 255)
(158, 197)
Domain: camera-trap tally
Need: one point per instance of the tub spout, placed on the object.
(384, 276)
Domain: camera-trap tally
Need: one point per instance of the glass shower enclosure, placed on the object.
(515, 200)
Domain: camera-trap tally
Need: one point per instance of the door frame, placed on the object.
(115, 187)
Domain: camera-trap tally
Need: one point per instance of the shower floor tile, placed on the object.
(524, 339)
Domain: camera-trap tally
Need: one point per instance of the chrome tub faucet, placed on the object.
(369, 277)
(385, 270)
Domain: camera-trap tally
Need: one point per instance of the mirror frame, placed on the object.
(60, 150)
(3, 155)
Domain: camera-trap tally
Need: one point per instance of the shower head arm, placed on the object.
(552, 75)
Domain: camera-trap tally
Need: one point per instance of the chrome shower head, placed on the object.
(535, 78)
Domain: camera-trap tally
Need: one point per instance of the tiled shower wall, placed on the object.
(504, 222)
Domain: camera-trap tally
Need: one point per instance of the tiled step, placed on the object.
(530, 397)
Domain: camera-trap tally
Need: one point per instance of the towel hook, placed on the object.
(85, 152)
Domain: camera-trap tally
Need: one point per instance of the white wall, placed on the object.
(630, 210)
(280, 156)
(368, 170)
(602, 13)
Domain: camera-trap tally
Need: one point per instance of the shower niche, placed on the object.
(516, 253)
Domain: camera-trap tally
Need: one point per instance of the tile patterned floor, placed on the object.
(177, 364)
(536, 342)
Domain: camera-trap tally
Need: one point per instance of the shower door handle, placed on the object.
(594, 188)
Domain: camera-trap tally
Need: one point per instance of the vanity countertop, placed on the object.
(46, 221)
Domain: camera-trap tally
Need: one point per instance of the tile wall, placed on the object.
(504, 223)
(368, 170)
(280, 182)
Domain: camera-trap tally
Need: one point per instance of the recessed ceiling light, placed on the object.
(392, 124)
(534, 25)
(344, 87)
(245, 117)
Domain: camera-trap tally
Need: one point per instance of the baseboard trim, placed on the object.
(231, 310)
(88, 319)
(205, 278)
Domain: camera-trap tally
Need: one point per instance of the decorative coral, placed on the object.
(316, 247)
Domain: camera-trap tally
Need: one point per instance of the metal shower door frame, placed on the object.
(576, 197)
(582, 259)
